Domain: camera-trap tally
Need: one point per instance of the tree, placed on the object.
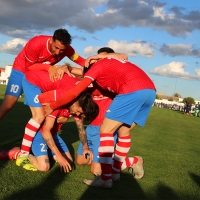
(176, 95)
(189, 100)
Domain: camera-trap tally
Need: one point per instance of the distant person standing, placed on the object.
(39, 50)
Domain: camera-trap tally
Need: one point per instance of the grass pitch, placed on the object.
(169, 143)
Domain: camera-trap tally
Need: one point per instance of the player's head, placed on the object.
(104, 50)
(59, 42)
(84, 106)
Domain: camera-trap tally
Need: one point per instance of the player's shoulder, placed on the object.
(40, 39)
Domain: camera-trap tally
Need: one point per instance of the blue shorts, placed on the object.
(31, 93)
(132, 107)
(14, 87)
(93, 140)
(40, 148)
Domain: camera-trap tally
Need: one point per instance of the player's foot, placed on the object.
(13, 153)
(98, 182)
(137, 169)
(29, 166)
(25, 163)
(23, 159)
(116, 177)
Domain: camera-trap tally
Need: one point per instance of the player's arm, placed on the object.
(67, 96)
(77, 59)
(46, 134)
(93, 59)
(83, 137)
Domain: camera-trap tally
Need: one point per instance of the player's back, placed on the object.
(41, 80)
(119, 76)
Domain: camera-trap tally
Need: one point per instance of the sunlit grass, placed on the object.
(169, 143)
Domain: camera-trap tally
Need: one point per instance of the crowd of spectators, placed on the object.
(187, 108)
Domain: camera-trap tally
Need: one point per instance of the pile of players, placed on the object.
(113, 95)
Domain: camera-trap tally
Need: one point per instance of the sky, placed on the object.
(161, 37)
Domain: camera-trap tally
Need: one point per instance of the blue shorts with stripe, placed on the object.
(14, 87)
(40, 148)
(132, 107)
(31, 93)
(93, 140)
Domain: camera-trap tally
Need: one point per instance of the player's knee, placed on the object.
(44, 168)
(80, 160)
(95, 169)
(39, 118)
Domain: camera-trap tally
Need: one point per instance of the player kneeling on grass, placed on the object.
(48, 143)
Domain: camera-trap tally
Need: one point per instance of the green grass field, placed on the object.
(169, 143)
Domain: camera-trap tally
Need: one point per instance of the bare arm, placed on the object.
(93, 59)
(83, 137)
(46, 134)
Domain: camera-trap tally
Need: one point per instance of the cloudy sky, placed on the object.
(162, 37)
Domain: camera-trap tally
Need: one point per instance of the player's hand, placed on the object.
(87, 151)
(91, 60)
(53, 74)
(67, 69)
(47, 108)
(65, 166)
(61, 70)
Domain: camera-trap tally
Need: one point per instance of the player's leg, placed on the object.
(119, 117)
(139, 116)
(93, 140)
(31, 93)
(12, 93)
(11, 154)
(40, 157)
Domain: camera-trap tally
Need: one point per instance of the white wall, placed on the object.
(6, 74)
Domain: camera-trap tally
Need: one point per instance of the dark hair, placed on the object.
(63, 36)
(90, 108)
(101, 50)
(105, 49)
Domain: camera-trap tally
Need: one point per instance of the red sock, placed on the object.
(121, 151)
(129, 162)
(4, 155)
(106, 150)
(30, 131)
(11, 154)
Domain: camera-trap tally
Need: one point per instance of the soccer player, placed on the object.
(34, 83)
(135, 94)
(41, 49)
(47, 142)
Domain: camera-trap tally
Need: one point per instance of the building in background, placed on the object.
(5, 74)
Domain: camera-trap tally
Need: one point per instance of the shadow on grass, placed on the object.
(165, 192)
(45, 190)
(131, 190)
(195, 178)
